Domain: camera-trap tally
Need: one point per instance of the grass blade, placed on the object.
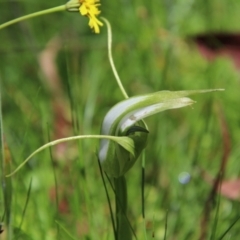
(229, 228)
(5, 157)
(109, 202)
(65, 230)
(166, 226)
(26, 203)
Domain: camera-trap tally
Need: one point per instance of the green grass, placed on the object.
(151, 53)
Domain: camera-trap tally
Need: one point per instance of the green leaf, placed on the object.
(126, 142)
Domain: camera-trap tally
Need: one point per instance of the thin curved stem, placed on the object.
(126, 142)
(119, 82)
(32, 15)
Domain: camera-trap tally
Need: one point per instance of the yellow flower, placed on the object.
(90, 9)
(87, 8)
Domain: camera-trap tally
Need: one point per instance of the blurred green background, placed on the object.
(56, 81)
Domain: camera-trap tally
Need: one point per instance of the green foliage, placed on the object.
(152, 52)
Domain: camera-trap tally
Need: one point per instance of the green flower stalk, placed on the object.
(125, 119)
(88, 8)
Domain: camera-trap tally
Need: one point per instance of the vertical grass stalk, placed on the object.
(6, 182)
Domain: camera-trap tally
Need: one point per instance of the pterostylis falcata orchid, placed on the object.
(124, 119)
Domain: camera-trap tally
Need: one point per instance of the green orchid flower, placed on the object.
(125, 119)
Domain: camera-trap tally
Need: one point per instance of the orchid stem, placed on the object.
(124, 230)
